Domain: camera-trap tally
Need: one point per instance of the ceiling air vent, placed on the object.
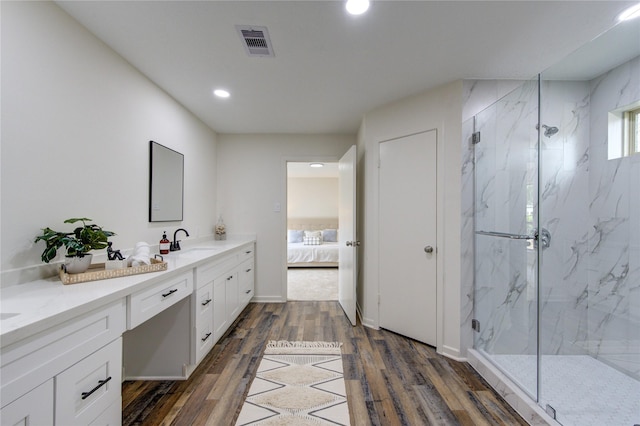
(256, 40)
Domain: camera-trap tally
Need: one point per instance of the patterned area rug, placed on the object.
(297, 383)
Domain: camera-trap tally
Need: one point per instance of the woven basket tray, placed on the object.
(97, 271)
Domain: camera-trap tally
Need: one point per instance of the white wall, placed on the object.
(76, 124)
(312, 197)
(252, 179)
(440, 109)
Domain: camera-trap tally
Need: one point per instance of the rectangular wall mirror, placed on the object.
(166, 183)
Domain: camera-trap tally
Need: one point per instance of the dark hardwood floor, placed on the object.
(390, 380)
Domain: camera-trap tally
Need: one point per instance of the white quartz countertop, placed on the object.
(29, 308)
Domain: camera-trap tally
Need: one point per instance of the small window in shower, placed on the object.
(624, 131)
(632, 132)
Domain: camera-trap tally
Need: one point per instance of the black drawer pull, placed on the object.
(228, 278)
(101, 383)
(248, 270)
(170, 292)
(248, 291)
(247, 252)
(206, 337)
(206, 302)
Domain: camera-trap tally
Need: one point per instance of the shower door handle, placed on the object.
(543, 236)
(506, 235)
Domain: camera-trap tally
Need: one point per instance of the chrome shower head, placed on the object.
(549, 131)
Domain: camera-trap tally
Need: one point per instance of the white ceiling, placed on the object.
(329, 68)
(303, 170)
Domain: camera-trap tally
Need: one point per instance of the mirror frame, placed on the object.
(166, 183)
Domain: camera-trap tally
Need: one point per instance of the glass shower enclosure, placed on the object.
(557, 235)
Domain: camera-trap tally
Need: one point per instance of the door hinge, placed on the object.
(475, 324)
(550, 411)
(475, 138)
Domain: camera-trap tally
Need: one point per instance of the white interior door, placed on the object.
(407, 232)
(347, 273)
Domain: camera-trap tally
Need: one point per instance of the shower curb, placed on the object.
(515, 397)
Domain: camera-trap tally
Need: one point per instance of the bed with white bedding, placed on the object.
(301, 255)
(312, 243)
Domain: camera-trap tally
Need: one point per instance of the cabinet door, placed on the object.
(112, 416)
(219, 307)
(232, 297)
(88, 388)
(33, 408)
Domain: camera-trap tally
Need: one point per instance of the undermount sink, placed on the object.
(7, 315)
(194, 251)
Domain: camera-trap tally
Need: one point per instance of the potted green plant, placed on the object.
(78, 244)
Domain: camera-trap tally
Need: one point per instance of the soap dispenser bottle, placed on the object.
(164, 244)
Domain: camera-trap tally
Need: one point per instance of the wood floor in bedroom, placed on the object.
(391, 380)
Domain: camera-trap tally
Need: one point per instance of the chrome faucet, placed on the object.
(175, 244)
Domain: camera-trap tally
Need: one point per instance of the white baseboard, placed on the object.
(369, 323)
(268, 299)
(452, 353)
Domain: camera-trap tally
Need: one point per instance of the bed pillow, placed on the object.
(312, 238)
(294, 236)
(330, 235)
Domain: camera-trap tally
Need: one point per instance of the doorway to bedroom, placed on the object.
(312, 230)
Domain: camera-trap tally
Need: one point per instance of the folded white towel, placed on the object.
(141, 255)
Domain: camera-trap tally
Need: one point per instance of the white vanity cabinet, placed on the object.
(221, 278)
(48, 372)
(66, 350)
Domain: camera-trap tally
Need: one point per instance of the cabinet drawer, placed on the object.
(204, 304)
(246, 281)
(34, 408)
(247, 252)
(26, 363)
(155, 299)
(204, 340)
(89, 387)
(210, 271)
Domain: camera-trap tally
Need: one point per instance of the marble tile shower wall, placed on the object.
(590, 283)
(613, 241)
(564, 197)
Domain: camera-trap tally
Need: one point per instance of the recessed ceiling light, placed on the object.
(316, 165)
(357, 7)
(631, 13)
(221, 93)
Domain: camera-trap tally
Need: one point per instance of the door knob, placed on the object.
(428, 249)
(349, 243)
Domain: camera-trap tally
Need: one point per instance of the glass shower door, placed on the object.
(506, 187)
